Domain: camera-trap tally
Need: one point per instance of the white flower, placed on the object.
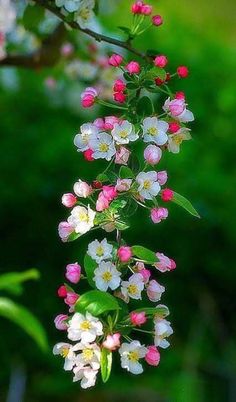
(87, 376)
(67, 351)
(175, 140)
(154, 130)
(162, 330)
(102, 146)
(81, 219)
(89, 355)
(154, 290)
(148, 184)
(7, 16)
(106, 276)
(85, 14)
(124, 132)
(85, 328)
(100, 251)
(87, 132)
(131, 353)
(133, 287)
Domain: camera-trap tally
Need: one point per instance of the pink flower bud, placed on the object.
(99, 123)
(158, 214)
(60, 322)
(115, 60)
(82, 189)
(174, 127)
(138, 318)
(68, 200)
(119, 86)
(73, 272)
(182, 71)
(109, 192)
(167, 195)
(157, 20)
(145, 274)
(124, 253)
(136, 8)
(164, 263)
(152, 356)
(123, 185)
(67, 49)
(102, 202)
(88, 97)
(71, 298)
(180, 95)
(119, 97)
(176, 107)
(154, 290)
(97, 184)
(61, 291)
(110, 121)
(146, 9)
(112, 341)
(64, 230)
(88, 155)
(160, 61)
(162, 177)
(152, 154)
(122, 156)
(133, 67)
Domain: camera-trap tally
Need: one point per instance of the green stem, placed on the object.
(112, 105)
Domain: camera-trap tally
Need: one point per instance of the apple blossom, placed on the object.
(154, 290)
(133, 287)
(84, 327)
(82, 189)
(66, 350)
(148, 184)
(86, 375)
(162, 330)
(62, 291)
(133, 67)
(145, 274)
(138, 318)
(115, 60)
(162, 177)
(124, 253)
(88, 155)
(122, 156)
(174, 127)
(60, 322)
(152, 154)
(102, 146)
(65, 230)
(160, 61)
(157, 20)
(124, 132)
(182, 71)
(69, 200)
(164, 263)
(158, 214)
(112, 342)
(100, 251)
(73, 272)
(155, 130)
(106, 276)
(167, 195)
(90, 354)
(130, 354)
(176, 139)
(82, 219)
(102, 202)
(88, 131)
(119, 86)
(176, 108)
(71, 298)
(119, 97)
(152, 356)
(123, 185)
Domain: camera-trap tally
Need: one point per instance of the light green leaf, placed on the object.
(25, 319)
(102, 177)
(184, 203)
(160, 310)
(121, 225)
(126, 173)
(118, 203)
(90, 265)
(145, 254)
(12, 281)
(96, 303)
(106, 364)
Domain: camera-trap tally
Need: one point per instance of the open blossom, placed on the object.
(100, 251)
(148, 184)
(152, 356)
(162, 330)
(102, 146)
(176, 139)
(88, 131)
(155, 130)
(73, 272)
(158, 214)
(109, 192)
(65, 230)
(145, 274)
(154, 290)
(60, 322)
(138, 318)
(112, 342)
(133, 287)
(89, 354)
(7, 16)
(82, 219)
(85, 14)
(84, 327)
(124, 132)
(82, 189)
(176, 108)
(123, 185)
(106, 276)
(66, 350)
(122, 156)
(152, 154)
(86, 375)
(165, 263)
(130, 354)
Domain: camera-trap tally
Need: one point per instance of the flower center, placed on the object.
(178, 139)
(132, 289)
(64, 351)
(100, 251)
(133, 356)
(83, 217)
(146, 184)
(152, 131)
(84, 13)
(88, 354)
(103, 147)
(85, 325)
(123, 134)
(107, 276)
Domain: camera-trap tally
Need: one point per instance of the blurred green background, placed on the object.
(39, 162)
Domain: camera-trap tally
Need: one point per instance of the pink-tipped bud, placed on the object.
(82, 189)
(102, 203)
(164, 263)
(152, 154)
(110, 121)
(174, 127)
(123, 185)
(115, 60)
(146, 9)
(160, 61)
(99, 123)
(60, 322)
(88, 155)
(71, 298)
(61, 291)
(119, 97)
(69, 200)
(133, 67)
(112, 342)
(73, 272)
(109, 192)
(154, 290)
(122, 156)
(124, 253)
(157, 20)
(119, 86)
(138, 318)
(145, 274)
(88, 101)
(64, 230)
(167, 194)
(162, 177)
(152, 356)
(182, 71)
(158, 214)
(176, 107)
(136, 8)
(180, 95)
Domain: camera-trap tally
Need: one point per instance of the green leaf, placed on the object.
(130, 209)
(145, 254)
(118, 203)
(126, 173)
(73, 236)
(12, 281)
(96, 303)
(90, 265)
(124, 29)
(102, 177)
(160, 310)
(32, 17)
(121, 225)
(156, 72)
(132, 85)
(184, 203)
(25, 319)
(106, 364)
(144, 106)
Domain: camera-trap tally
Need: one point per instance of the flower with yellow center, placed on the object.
(87, 132)
(130, 354)
(88, 353)
(124, 132)
(155, 130)
(100, 251)
(85, 14)
(66, 350)
(133, 287)
(84, 327)
(102, 146)
(175, 140)
(148, 185)
(82, 219)
(106, 276)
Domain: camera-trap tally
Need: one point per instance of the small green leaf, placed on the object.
(12, 281)
(184, 203)
(145, 254)
(106, 364)
(90, 265)
(132, 85)
(121, 225)
(102, 177)
(160, 310)
(126, 173)
(96, 303)
(130, 209)
(73, 236)
(33, 15)
(145, 106)
(118, 203)
(25, 319)
(156, 72)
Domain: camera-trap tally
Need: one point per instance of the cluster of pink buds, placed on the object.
(140, 8)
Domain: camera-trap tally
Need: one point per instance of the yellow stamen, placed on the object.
(88, 354)
(152, 131)
(133, 356)
(64, 351)
(123, 134)
(146, 184)
(100, 251)
(85, 325)
(103, 147)
(107, 276)
(132, 289)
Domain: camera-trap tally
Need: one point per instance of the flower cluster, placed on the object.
(123, 280)
(82, 10)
